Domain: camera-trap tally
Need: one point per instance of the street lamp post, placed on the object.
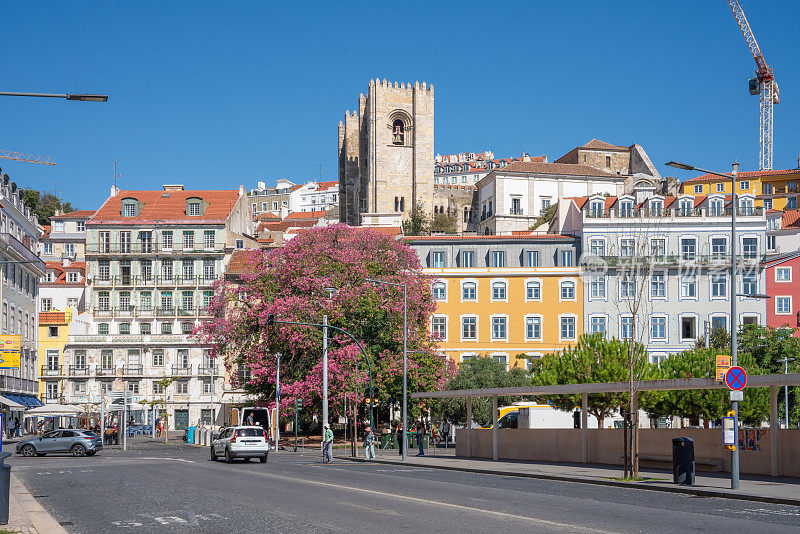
(734, 326)
(404, 436)
(785, 361)
(74, 96)
(278, 402)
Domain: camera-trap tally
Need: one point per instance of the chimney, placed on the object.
(525, 156)
(241, 190)
(65, 261)
(114, 190)
(173, 187)
(261, 185)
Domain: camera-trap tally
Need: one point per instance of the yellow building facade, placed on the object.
(53, 336)
(775, 189)
(508, 297)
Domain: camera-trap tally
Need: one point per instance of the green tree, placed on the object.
(483, 372)
(418, 223)
(545, 218)
(445, 223)
(593, 359)
(44, 205)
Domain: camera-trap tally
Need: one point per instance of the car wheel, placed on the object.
(228, 457)
(213, 454)
(78, 450)
(263, 459)
(28, 450)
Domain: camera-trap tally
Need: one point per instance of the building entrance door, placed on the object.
(181, 419)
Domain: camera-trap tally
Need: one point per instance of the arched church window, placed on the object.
(398, 132)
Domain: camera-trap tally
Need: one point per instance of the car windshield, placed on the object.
(249, 432)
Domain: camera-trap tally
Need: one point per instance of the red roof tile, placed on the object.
(52, 317)
(79, 214)
(602, 145)
(742, 174)
(568, 169)
(391, 231)
(324, 186)
(791, 219)
(61, 271)
(167, 206)
(300, 215)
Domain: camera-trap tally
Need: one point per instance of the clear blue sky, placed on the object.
(213, 95)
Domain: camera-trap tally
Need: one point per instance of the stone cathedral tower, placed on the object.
(386, 157)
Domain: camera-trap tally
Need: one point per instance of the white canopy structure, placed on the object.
(54, 410)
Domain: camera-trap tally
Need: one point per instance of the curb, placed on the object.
(26, 510)
(596, 481)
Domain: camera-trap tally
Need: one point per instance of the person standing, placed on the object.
(420, 435)
(399, 432)
(369, 444)
(327, 445)
(16, 427)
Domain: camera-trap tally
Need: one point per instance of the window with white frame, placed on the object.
(626, 209)
(439, 326)
(698, 190)
(72, 277)
(783, 274)
(438, 260)
(783, 305)
(499, 327)
(468, 258)
(533, 328)
(567, 327)
(719, 247)
(656, 208)
(750, 247)
(188, 240)
(688, 286)
(182, 387)
(469, 328)
(627, 247)
(158, 357)
(597, 287)
(658, 327)
(744, 185)
(532, 258)
(469, 291)
(658, 247)
(721, 187)
(719, 322)
(533, 290)
(626, 327)
(597, 324)
(597, 247)
(498, 258)
(688, 248)
(627, 287)
(499, 291)
(568, 290)
(719, 286)
(47, 305)
(439, 291)
(771, 242)
(566, 258)
(48, 249)
(749, 284)
(209, 269)
(658, 285)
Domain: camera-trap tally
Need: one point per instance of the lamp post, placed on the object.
(734, 326)
(785, 361)
(74, 96)
(405, 360)
(278, 402)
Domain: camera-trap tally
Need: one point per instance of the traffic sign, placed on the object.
(736, 378)
(737, 395)
(728, 431)
(723, 364)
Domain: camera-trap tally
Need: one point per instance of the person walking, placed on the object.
(369, 444)
(16, 427)
(327, 445)
(399, 433)
(420, 435)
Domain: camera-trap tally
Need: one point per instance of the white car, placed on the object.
(241, 442)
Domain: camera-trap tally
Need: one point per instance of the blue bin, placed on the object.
(190, 434)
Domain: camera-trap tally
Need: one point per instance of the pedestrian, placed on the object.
(327, 445)
(369, 444)
(16, 427)
(249, 421)
(399, 433)
(445, 431)
(420, 435)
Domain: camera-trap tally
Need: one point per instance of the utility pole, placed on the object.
(734, 340)
(324, 371)
(278, 404)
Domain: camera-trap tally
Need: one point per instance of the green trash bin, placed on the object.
(386, 438)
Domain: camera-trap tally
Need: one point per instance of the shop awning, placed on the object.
(31, 400)
(5, 401)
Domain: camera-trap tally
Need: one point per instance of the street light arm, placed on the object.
(70, 96)
(686, 167)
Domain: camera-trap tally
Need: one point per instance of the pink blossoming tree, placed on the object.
(323, 271)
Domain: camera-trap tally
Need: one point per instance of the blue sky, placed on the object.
(213, 95)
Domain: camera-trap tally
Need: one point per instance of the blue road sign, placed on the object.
(736, 378)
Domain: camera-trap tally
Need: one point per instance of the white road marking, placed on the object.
(761, 511)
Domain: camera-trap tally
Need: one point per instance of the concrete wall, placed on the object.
(605, 447)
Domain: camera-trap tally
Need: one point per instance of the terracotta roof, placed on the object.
(742, 174)
(391, 231)
(791, 219)
(300, 215)
(602, 145)
(568, 169)
(61, 271)
(167, 206)
(45, 231)
(324, 186)
(52, 317)
(80, 214)
(239, 260)
(282, 226)
(269, 216)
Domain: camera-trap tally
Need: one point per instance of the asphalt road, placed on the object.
(176, 488)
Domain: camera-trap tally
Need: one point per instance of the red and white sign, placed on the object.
(736, 378)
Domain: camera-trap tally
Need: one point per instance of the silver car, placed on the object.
(74, 441)
(241, 442)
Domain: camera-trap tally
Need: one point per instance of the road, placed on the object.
(176, 488)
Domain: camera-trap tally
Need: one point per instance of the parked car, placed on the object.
(240, 442)
(74, 441)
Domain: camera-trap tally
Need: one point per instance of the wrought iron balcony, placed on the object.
(51, 370)
(132, 369)
(79, 370)
(179, 370)
(99, 370)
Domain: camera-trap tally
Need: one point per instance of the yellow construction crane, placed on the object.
(27, 158)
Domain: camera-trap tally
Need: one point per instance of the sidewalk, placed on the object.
(776, 490)
(26, 514)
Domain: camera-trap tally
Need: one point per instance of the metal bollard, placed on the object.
(5, 483)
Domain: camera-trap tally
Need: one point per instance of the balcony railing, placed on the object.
(31, 259)
(78, 370)
(153, 281)
(153, 247)
(744, 211)
(149, 311)
(132, 369)
(516, 211)
(99, 370)
(51, 370)
(679, 259)
(180, 370)
(208, 370)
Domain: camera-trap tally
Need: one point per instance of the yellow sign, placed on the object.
(723, 364)
(9, 360)
(10, 343)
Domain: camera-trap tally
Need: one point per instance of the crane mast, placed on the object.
(27, 158)
(764, 85)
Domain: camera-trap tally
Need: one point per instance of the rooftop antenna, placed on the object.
(115, 171)
(321, 166)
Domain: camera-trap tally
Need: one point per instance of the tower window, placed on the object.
(608, 162)
(398, 132)
(402, 203)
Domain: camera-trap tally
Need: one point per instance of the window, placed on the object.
(750, 247)
(698, 190)
(658, 248)
(717, 210)
(627, 287)
(439, 327)
(608, 162)
(145, 328)
(207, 296)
(103, 301)
(166, 240)
(749, 319)
(158, 357)
(104, 270)
(106, 358)
(498, 291)
(499, 327)
(469, 291)
(567, 290)
(439, 291)
(80, 226)
(566, 258)
(166, 269)
(516, 205)
(52, 331)
(182, 387)
(688, 328)
(688, 248)
(240, 244)
(209, 271)
(102, 329)
(719, 247)
(187, 328)
(532, 258)
(188, 239)
(72, 302)
(208, 239)
(656, 208)
(791, 203)
(58, 226)
(688, 286)
(749, 284)
(187, 269)
(626, 247)
(48, 249)
(533, 328)
(533, 290)
(72, 278)
(719, 323)
(146, 241)
(719, 286)
(125, 301)
(597, 247)
(597, 287)
(51, 390)
(206, 391)
(721, 187)
(767, 204)
(124, 328)
(398, 132)
(783, 274)
(146, 269)
(158, 388)
(133, 387)
(783, 305)
(166, 300)
(166, 328)
(194, 209)
(438, 260)
(567, 327)
(129, 208)
(498, 258)
(626, 209)
(545, 205)
(47, 305)
(468, 258)
(771, 242)
(744, 185)
(469, 328)
(145, 301)
(598, 325)
(187, 300)
(658, 328)
(596, 208)
(626, 327)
